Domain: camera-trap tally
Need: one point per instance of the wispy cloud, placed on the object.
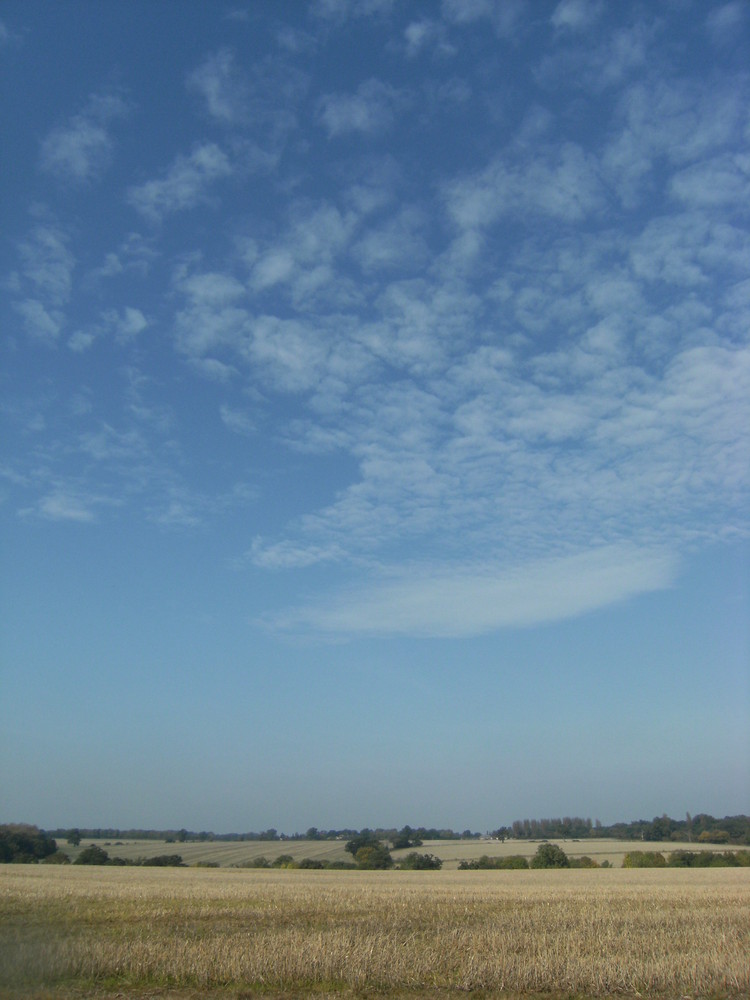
(341, 10)
(563, 184)
(505, 16)
(576, 15)
(40, 322)
(80, 149)
(288, 555)
(477, 599)
(46, 278)
(268, 93)
(370, 109)
(186, 183)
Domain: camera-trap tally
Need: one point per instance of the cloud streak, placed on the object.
(476, 600)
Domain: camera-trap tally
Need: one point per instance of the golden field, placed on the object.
(73, 932)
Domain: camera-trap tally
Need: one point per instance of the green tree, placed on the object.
(373, 856)
(22, 843)
(92, 855)
(74, 837)
(365, 839)
(550, 856)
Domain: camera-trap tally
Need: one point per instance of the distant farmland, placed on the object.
(236, 853)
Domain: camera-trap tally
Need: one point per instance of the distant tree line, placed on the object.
(547, 856)
(406, 833)
(687, 859)
(702, 828)
(95, 855)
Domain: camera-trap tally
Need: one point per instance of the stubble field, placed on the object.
(451, 852)
(134, 932)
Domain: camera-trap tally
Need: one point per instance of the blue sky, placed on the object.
(376, 394)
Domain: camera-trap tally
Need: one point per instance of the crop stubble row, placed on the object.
(675, 933)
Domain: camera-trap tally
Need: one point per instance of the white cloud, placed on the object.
(672, 122)
(237, 420)
(399, 243)
(575, 15)
(725, 21)
(185, 185)
(48, 263)
(262, 99)
(558, 182)
(38, 321)
(134, 254)
(125, 324)
(427, 34)
(478, 599)
(219, 84)
(719, 181)
(371, 109)
(504, 15)
(341, 10)
(82, 148)
(81, 340)
(291, 354)
(288, 555)
(63, 506)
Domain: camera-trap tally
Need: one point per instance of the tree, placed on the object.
(74, 837)
(405, 838)
(364, 839)
(550, 856)
(374, 856)
(92, 855)
(22, 843)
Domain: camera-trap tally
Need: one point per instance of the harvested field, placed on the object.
(129, 931)
(452, 852)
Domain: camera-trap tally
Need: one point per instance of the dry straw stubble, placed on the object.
(674, 933)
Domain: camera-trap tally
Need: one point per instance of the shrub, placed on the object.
(512, 862)
(259, 862)
(421, 862)
(709, 859)
(164, 861)
(58, 858)
(644, 859)
(714, 837)
(583, 862)
(485, 863)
